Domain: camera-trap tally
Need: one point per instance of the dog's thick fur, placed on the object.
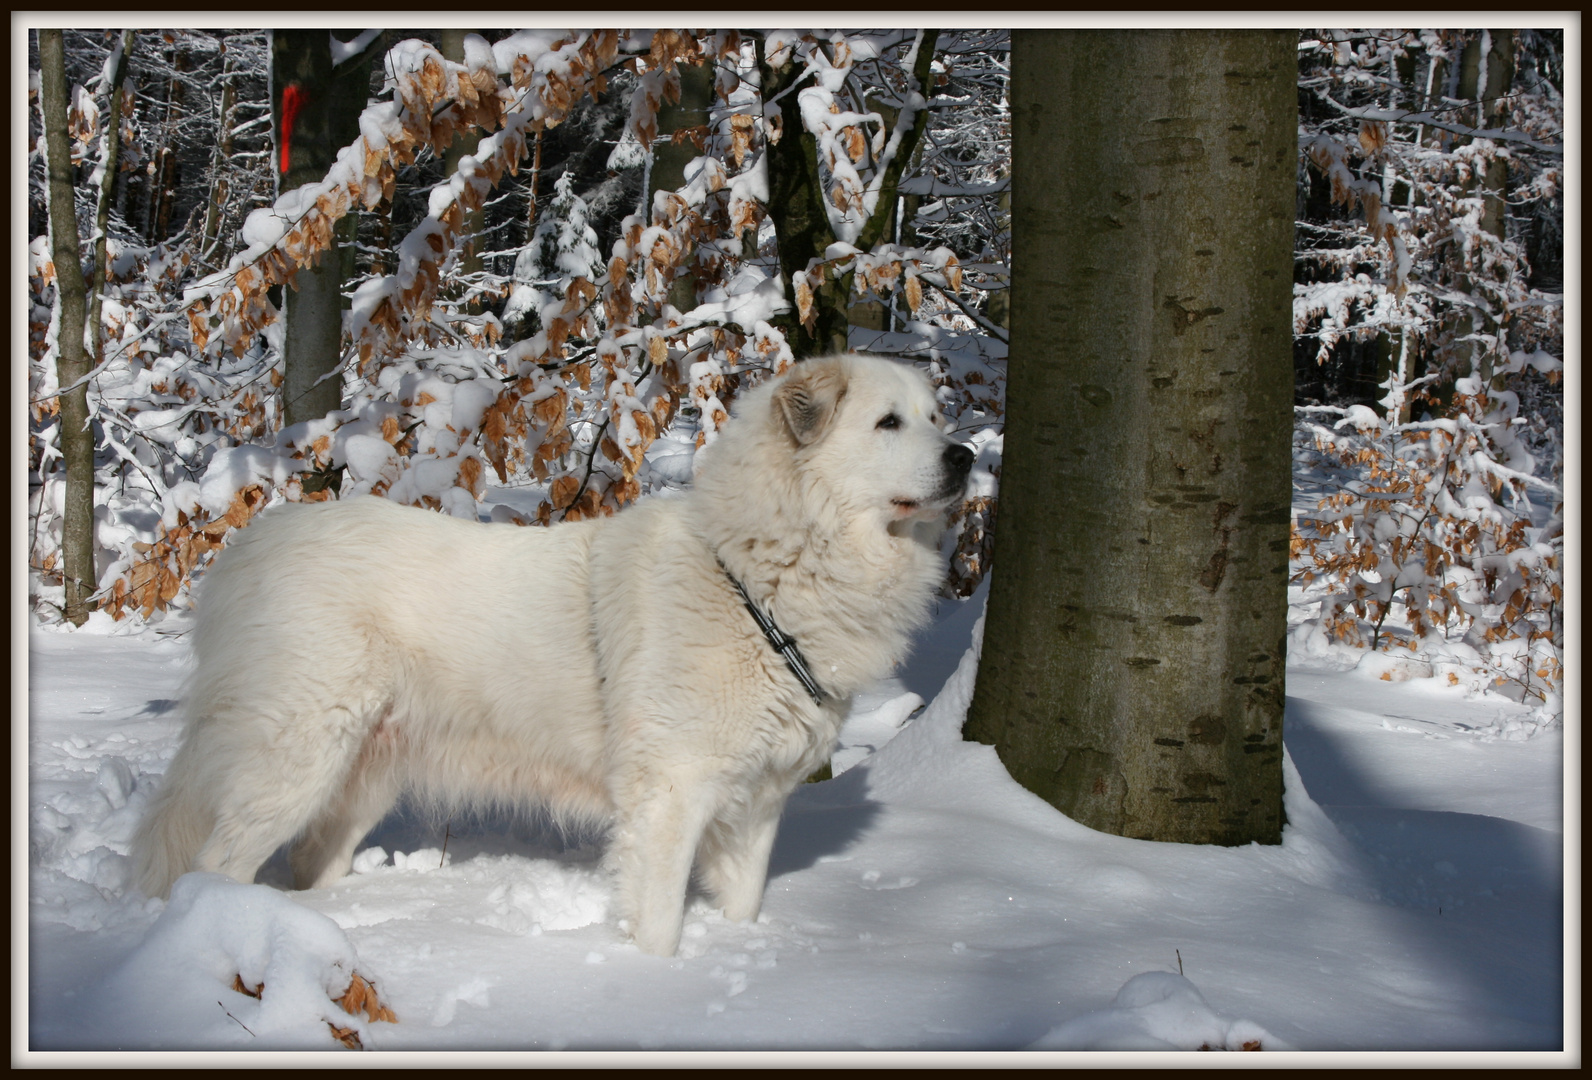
(607, 670)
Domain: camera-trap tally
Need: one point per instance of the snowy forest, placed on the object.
(522, 276)
(556, 257)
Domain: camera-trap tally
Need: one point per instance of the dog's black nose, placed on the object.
(958, 460)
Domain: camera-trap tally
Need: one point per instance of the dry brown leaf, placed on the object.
(856, 145)
(470, 476)
(914, 291)
(804, 304)
(563, 491)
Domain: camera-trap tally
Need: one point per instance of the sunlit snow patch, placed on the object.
(539, 895)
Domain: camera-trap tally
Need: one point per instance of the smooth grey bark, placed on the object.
(1133, 656)
(71, 356)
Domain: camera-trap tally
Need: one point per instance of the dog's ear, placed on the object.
(808, 397)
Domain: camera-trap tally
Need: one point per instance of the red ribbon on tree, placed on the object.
(293, 98)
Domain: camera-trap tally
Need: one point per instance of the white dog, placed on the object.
(607, 670)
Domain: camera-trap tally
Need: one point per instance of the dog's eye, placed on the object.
(890, 422)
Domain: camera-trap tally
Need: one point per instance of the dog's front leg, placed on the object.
(653, 847)
(734, 858)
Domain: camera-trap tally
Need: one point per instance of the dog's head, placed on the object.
(873, 431)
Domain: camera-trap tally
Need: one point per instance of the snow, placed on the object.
(470, 400)
(343, 51)
(211, 929)
(235, 468)
(919, 901)
(1157, 1010)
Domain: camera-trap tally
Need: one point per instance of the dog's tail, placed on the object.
(179, 820)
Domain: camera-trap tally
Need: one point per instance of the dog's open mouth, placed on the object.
(906, 507)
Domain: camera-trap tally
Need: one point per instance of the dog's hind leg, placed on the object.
(325, 852)
(275, 776)
(175, 826)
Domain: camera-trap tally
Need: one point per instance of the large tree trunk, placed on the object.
(327, 121)
(1132, 670)
(72, 360)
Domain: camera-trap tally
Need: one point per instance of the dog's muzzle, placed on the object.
(957, 463)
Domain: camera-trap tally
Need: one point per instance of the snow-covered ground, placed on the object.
(919, 901)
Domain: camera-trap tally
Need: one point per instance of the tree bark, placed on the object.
(113, 142)
(1133, 657)
(72, 359)
(327, 121)
(470, 263)
(669, 158)
(1492, 110)
(167, 171)
(220, 181)
(797, 202)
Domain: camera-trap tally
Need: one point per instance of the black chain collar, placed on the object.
(783, 643)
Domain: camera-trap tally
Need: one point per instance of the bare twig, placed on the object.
(235, 1020)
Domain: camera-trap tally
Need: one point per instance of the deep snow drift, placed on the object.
(921, 900)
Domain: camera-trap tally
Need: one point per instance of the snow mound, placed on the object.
(875, 719)
(1392, 667)
(1157, 1010)
(178, 981)
(931, 747)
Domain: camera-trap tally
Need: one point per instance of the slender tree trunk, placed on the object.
(797, 201)
(1488, 89)
(999, 307)
(463, 143)
(220, 182)
(163, 193)
(1133, 658)
(669, 158)
(72, 360)
(108, 163)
